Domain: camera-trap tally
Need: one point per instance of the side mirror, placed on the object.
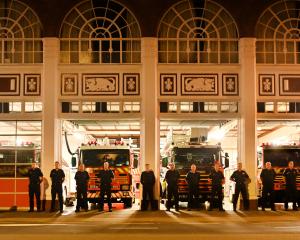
(165, 162)
(226, 160)
(73, 161)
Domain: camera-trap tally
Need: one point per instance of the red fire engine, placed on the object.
(279, 156)
(203, 156)
(120, 159)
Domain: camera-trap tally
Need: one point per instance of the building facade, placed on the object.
(145, 62)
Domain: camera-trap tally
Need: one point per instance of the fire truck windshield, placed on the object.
(202, 157)
(97, 157)
(281, 157)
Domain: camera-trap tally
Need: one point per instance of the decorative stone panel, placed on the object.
(199, 84)
(9, 84)
(100, 84)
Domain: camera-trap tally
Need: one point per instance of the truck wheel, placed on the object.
(127, 202)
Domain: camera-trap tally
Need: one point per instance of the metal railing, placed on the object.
(19, 51)
(100, 50)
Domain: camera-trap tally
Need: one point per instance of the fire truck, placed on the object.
(120, 159)
(203, 156)
(278, 156)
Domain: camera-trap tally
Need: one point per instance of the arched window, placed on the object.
(277, 32)
(194, 31)
(100, 32)
(20, 31)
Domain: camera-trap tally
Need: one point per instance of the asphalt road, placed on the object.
(133, 224)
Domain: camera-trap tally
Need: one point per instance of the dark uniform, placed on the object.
(34, 175)
(267, 176)
(106, 177)
(193, 185)
(81, 178)
(172, 177)
(217, 178)
(241, 179)
(57, 176)
(148, 181)
(290, 187)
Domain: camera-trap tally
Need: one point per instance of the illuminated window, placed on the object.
(186, 106)
(33, 107)
(283, 107)
(131, 107)
(75, 107)
(100, 32)
(20, 145)
(269, 107)
(113, 107)
(15, 106)
(20, 34)
(197, 32)
(211, 107)
(277, 32)
(88, 107)
(172, 106)
(229, 107)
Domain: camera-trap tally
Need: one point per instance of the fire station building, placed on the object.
(150, 72)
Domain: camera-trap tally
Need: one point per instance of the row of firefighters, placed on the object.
(216, 177)
(38, 184)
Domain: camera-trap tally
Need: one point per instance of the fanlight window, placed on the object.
(20, 33)
(100, 32)
(277, 32)
(194, 31)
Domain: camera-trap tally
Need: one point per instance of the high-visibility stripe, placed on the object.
(120, 170)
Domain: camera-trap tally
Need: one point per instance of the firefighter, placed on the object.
(81, 177)
(171, 178)
(217, 180)
(35, 176)
(57, 176)
(148, 181)
(106, 176)
(241, 179)
(267, 177)
(290, 175)
(192, 178)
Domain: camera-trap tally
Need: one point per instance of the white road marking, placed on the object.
(199, 223)
(289, 227)
(133, 228)
(135, 223)
(32, 224)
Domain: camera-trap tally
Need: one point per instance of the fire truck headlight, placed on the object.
(125, 187)
(126, 194)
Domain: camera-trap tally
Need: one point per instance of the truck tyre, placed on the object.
(127, 202)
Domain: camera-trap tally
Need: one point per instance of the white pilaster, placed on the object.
(51, 127)
(150, 122)
(248, 121)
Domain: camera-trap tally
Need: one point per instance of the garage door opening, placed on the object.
(278, 143)
(93, 142)
(20, 146)
(200, 142)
